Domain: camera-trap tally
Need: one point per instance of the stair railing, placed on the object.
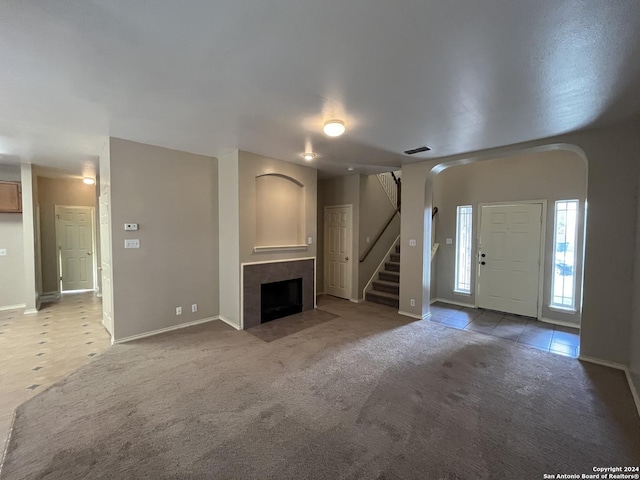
(391, 185)
(379, 234)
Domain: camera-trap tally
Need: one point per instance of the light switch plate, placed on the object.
(449, 241)
(412, 243)
(132, 243)
(3, 252)
(131, 226)
(309, 241)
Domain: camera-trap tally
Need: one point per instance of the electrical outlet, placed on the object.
(368, 239)
(131, 227)
(413, 302)
(194, 308)
(3, 252)
(132, 243)
(178, 310)
(412, 243)
(309, 241)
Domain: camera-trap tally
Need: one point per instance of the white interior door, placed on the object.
(509, 258)
(105, 263)
(74, 227)
(337, 251)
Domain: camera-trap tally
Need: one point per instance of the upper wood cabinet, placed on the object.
(10, 198)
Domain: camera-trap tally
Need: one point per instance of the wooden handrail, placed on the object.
(375, 240)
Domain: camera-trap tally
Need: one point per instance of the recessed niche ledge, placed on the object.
(280, 248)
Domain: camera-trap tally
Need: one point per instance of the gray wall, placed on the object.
(52, 192)
(12, 279)
(340, 191)
(554, 175)
(613, 155)
(173, 197)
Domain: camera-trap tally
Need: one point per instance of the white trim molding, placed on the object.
(12, 307)
(453, 302)
(380, 265)
(559, 322)
(165, 330)
(426, 316)
(31, 311)
(280, 248)
(228, 322)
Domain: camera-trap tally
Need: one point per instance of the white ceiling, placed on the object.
(204, 76)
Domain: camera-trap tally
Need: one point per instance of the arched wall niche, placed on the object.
(280, 211)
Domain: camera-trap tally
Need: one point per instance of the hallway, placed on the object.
(41, 349)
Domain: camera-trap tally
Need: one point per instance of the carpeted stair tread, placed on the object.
(392, 266)
(384, 298)
(389, 276)
(386, 286)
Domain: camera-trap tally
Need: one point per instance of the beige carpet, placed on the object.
(366, 395)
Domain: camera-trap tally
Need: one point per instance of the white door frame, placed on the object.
(324, 249)
(94, 265)
(543, 236)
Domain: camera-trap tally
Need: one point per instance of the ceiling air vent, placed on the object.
(417, 150)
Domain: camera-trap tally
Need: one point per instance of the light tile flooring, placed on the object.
(40, 349)
(543, 336)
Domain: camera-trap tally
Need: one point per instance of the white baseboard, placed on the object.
(228, 322)
(12, 307)
(560, 322)
(453, 302)
(356, 300)
(415, 315)
(165, 330)
(635, 393)
(604, 363)
(31, 311)
(319, 293)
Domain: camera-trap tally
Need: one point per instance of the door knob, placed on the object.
(483, 255)
(347, 259)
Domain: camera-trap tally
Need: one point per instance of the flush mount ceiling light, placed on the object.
(89, 181)
(308, 156)
(351, 169)
(334, 128)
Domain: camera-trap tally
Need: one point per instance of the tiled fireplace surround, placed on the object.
(254, 275)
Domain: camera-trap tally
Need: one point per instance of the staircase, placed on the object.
(386, 290)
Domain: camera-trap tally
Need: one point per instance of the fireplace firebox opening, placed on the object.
(280, 299)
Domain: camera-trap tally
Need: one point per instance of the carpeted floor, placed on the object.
(366, 395)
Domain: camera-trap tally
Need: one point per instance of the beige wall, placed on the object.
(340, 191)
(613, 155)
(551, 176)
(252, 166)
(173, 197)
(52, 192)
(12, 279)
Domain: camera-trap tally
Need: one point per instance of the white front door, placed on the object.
(74, 230)
(337, 251)
(509, 258)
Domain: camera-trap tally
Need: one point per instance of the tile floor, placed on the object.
(543, 336)
(38, 350)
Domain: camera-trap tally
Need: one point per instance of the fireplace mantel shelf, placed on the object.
(280, 248)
